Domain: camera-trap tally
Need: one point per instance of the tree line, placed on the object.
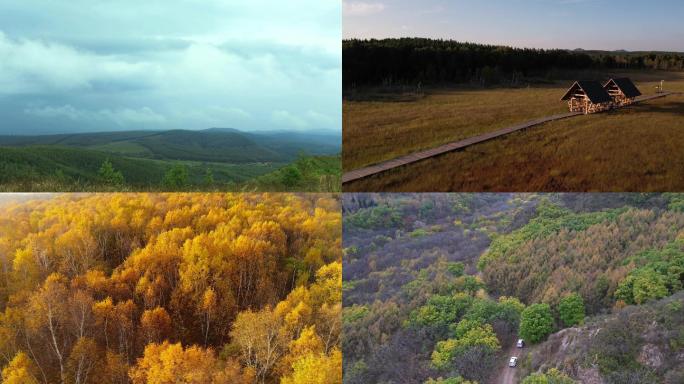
(416, 61)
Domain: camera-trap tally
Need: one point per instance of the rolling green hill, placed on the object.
(212, 159)
(45, 162)
(214, 145)
(56, 168)
(62, 168)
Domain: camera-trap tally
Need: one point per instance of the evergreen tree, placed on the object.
(109, 175)
(291, 176)
(209, 177)
(176, 177)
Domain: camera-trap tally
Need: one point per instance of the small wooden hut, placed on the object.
(622, 91)
(587, 97)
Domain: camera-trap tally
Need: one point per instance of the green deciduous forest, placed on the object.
(40, 169)
(599, 255)
(438, 287)
(178, 160)
(170, 288)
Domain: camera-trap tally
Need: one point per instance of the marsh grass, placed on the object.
(638, 148)
(379, 126)
(374, 131)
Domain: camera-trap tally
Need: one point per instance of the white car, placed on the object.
(520, 343)
(513, 362)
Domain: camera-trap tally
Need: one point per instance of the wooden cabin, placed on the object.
(622, 91)
(587, 97)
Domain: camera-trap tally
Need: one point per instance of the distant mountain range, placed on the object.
(623, 51)
(226, 145)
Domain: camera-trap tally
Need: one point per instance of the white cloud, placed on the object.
(286, 119)
(227, 116)
(320, 120)
(360, 8)
(226, 63)
(34, 66)
(308, 119)
(237, 113)
(122, 117)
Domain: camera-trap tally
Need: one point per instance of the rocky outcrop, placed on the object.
(637, 344)
(651, 356)
(589, 375)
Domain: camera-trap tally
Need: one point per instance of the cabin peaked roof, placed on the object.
(625, 85)
(593, 89)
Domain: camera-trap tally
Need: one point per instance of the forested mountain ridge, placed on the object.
(147, 288)
(215, 159)
(66, 169)
(413, 291)
(214, 144)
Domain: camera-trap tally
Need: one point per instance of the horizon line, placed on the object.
(511, 45)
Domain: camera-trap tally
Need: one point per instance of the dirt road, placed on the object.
(507, 374)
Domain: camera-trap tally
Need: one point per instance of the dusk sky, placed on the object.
(569, 24)
(83, 65)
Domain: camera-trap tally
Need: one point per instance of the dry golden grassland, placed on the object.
(638, 148)
(374, 131)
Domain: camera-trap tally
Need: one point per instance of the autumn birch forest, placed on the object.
(171, 288)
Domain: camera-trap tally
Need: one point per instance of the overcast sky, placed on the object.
(568, 24)
(86, 65)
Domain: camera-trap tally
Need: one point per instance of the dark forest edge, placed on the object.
(419, 61)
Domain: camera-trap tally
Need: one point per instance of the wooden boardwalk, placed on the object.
(458, 145)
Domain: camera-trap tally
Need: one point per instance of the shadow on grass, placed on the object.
(403, 94)
(384, 96)
(673, 107)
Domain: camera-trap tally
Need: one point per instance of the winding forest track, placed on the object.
(415, 157)
(506, 374)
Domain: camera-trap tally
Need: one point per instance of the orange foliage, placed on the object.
(149, 288)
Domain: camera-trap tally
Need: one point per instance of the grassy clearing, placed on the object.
(638, 148)
(374, 131)
(379, 127)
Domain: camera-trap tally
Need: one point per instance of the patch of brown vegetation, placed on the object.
(632, 149)
(637, 148)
